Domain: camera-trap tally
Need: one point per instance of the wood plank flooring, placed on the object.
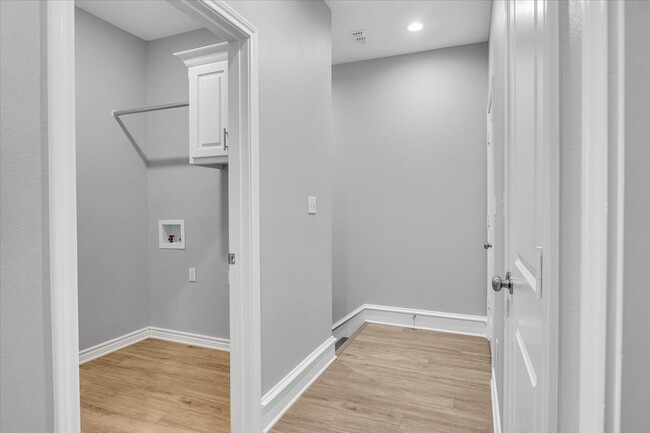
(156, 386)
(386, 379)
(391, 379)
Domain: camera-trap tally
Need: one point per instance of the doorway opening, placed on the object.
(241, 212)
(152, 220)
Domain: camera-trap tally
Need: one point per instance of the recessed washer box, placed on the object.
(171, 234)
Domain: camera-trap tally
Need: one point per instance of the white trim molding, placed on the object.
(189, 338)
(616, 215)
(496, 412)
(594, 193)
(412, 318)
(110, 346)
(204, 55)
(288, 390)
(350, 323)
(63, 215)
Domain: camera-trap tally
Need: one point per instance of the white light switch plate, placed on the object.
(311, 205)
(192, 275)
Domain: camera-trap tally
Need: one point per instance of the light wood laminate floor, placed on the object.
(156, 387)
(391, 379)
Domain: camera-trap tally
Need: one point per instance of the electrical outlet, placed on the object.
(192, 275)
(311, 205)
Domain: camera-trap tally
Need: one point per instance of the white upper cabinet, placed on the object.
(208, 81)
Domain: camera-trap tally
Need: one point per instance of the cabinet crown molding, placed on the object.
(204, 55)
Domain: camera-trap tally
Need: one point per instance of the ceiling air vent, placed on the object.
(359, 36)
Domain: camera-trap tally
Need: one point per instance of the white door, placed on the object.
(528, 180)
(490, 215)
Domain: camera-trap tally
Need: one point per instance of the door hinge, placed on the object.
(540, 269)
(231, 258)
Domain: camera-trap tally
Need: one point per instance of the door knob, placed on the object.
(498, 283)
(487, 245)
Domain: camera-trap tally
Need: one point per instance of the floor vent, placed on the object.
(340, 342)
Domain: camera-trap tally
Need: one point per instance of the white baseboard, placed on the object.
(286, 392)
(189, 338)
(496, 413)
(119, 343)
(424, 319)
(113, 345)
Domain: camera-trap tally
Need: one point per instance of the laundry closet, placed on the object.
(152, 188)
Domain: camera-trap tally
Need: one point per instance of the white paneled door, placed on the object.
(528, 220)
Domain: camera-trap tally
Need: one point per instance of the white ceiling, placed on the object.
(447, 23)
(146, 19)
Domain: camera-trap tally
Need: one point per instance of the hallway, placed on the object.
(393, 379)
(324, 216)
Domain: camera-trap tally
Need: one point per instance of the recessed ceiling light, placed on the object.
(415, 27)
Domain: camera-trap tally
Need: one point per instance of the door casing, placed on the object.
(602, 217)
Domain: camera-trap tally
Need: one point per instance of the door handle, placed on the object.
(498, 283)
(487, 245)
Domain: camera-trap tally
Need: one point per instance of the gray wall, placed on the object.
(570, 215)
(177, 190)
(295, 161)
(25, 334)
(497, 74)
(409, 184)
(635, 416)
(111, 182)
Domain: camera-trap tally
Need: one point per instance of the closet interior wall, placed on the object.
(126, 282)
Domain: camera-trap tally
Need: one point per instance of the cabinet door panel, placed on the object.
(208, 110)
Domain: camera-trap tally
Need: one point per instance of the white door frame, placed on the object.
(602, 207)
(551, 195)
(593, 252)
(616, 202)
(245, 275)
